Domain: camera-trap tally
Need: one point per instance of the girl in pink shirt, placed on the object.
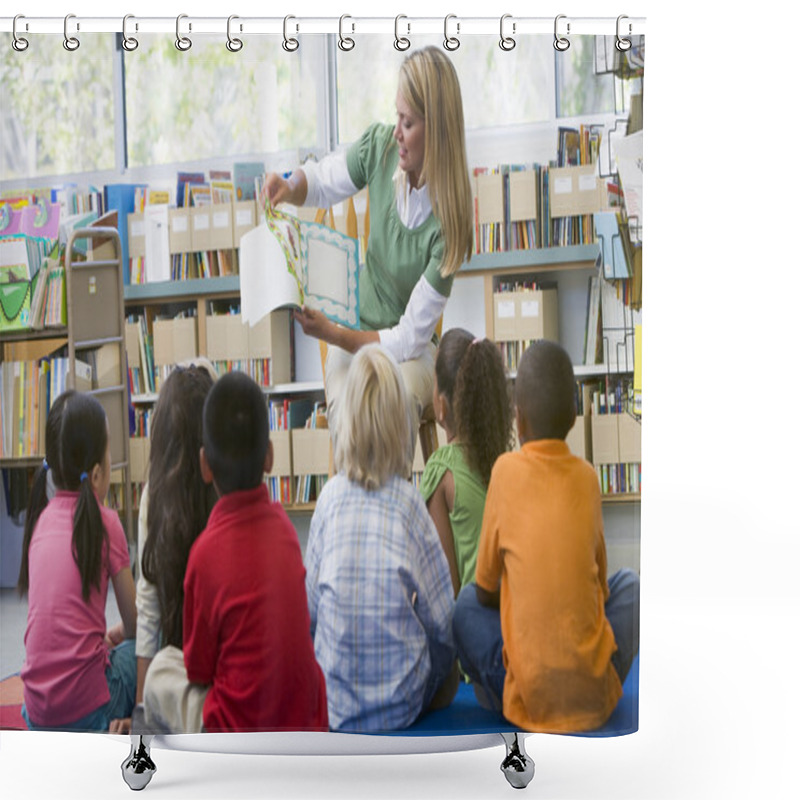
(76, 674)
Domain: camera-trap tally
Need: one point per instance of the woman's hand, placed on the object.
(315, 323)
(291, 190)
(275, 187)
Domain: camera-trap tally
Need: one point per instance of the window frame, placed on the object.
(512, 140)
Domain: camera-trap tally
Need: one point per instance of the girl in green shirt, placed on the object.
(472, 403)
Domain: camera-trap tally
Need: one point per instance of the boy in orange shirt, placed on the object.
(545, 637)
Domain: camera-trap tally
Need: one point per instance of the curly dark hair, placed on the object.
(471, 375)
(179, 502)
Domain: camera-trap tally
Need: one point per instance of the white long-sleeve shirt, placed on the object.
(329, 182)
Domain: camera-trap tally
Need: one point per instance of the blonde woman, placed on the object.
(377, 580)
(420, 224)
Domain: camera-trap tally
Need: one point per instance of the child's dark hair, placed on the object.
(470, 374)
(75, 441)
(179, 501)
(545, 391)
(236, 432)
(37, 499)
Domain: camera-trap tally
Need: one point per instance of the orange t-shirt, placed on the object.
(542, 542)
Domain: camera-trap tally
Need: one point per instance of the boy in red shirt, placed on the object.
(247, 648)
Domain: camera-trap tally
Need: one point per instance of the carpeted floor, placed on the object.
(464, 715)
(11, 703)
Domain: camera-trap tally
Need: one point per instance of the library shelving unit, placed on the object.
(28, 345)
(568, 269)
(95, 319)
(217, 337)
(94, 303)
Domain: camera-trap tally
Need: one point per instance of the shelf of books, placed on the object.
(301, 450)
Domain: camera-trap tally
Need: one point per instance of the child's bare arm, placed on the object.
(125, 592)
(487, 598)
(440, 504)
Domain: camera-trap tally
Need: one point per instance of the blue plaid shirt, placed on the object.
(381, 604)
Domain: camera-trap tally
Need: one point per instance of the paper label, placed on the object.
(587, 183)
(180, 224)
(137, 228)
(221, 219)
(530, 308)
(562, 185)
(505, 309)
(201, 222)
(244, 216)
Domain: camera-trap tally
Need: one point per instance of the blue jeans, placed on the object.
(479, 638)
(121, 678)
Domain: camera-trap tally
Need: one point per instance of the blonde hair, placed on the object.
(429, 84)
(373, 440)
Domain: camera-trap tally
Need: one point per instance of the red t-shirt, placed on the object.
(246, 628)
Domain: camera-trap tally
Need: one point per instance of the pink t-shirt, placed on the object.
(65, 653)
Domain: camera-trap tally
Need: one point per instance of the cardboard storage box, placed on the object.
(605, 439)
(174, 340)
(139, 449)
(526, 314)
(282, 454)
(228, 339)
(310, 451)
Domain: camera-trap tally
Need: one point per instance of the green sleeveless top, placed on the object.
(397, 256)
(469, 498)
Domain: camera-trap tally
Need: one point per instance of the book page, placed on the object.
(264, 278)
(330, 273)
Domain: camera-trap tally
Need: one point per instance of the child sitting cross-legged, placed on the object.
(472, 404)
(378, 584)
(248, 659)
(78, 675)
(544, 635)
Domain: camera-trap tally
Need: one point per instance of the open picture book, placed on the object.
(286, 262)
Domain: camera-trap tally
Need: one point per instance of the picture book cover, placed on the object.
(286, 262)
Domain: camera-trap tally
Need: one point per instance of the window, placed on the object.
(57, 108)
(208, 102)
(582, 87)
(498, 88)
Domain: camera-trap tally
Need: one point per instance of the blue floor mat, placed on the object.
(465, 716)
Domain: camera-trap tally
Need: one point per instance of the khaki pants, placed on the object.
(417, 376)
(171, 702)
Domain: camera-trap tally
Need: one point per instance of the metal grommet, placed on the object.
(19, 43)
(290, 44)
(71, 43)
(506, 42)
(401, 43)
(182, 43)
(129, 43)
(559, 42)
(622, 44)
(451, 42)
(234, 45)
(346, 43)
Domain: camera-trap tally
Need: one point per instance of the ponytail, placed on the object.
(84, 438)
(482, 406)
(471, 375)
(88, 537)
